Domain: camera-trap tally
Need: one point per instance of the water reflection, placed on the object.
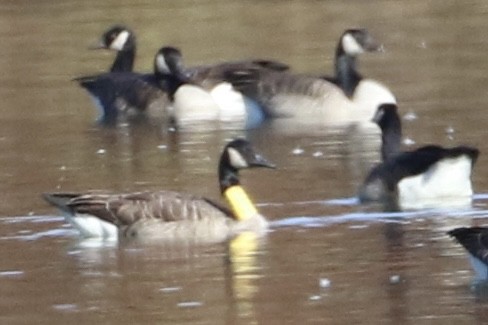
(177, 273)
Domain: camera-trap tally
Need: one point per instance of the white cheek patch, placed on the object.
(119, 42)
(236, 159)
(351, 46)
(161, 64)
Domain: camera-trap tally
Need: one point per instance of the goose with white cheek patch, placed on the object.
(475, 241)
(203, 94)
(167, 215)
(121, 39)
(347, 97)
(430, 176)
(125, 96)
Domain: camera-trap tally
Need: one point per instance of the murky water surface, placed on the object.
(327, 259)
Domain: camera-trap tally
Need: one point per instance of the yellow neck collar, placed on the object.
(240, 203)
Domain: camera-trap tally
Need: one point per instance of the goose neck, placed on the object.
(346, 74)
(391, 136)
(240, 203)
(124, 61)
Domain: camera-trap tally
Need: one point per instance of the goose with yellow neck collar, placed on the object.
(167, 215)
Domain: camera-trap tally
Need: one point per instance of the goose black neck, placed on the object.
(124, 60)
(228, 176)
(347, 77)
(172, 80)
(391, 135)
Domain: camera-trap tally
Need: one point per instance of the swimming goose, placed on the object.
(197, 94)
(341, 99)
(475, 241)
(124, 96)
(170, 215)
(428, 176)
(121, 39)
(120, 94)
(203, 94)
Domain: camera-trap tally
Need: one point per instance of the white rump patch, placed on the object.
(119, 42)
(92, 227)
(447, 183)
(370, 94)
(231, 102)
(236, 159)
(351, 46)
(192, 103)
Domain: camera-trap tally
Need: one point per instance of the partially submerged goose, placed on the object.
(203, 93)
(475, 241)
(344, 98)
(429, 176)
(167, 215)
(121, 39)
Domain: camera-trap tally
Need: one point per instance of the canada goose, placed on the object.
(170, 215)
(123, 96)
(197, 93)
(344, 98)
(420, 177)
(121, 39)
(475, 241)
(203, 94)
(120, 94)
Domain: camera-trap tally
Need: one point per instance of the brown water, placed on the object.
(435, 62)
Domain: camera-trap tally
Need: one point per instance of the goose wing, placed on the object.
(282, 93)
(126, 209)
(209, 76)
(122, 90)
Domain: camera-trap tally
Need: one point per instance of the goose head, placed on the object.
(116, 38)
(169, 61)
(238, 154)
(356, 41)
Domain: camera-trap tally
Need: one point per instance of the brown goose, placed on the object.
(166, 215)
(347, 97)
